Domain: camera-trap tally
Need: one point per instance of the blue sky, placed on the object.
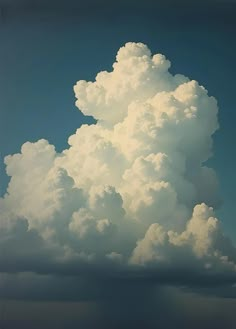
(46, 49)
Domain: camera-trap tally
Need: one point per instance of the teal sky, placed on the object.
(46, 49)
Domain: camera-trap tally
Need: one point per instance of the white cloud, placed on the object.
(133, 188)
(199, 235)
(135, 76)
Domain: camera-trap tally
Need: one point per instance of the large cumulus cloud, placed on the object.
(131, 191)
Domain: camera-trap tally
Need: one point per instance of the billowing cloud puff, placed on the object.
(132, 190)
(199, 240)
